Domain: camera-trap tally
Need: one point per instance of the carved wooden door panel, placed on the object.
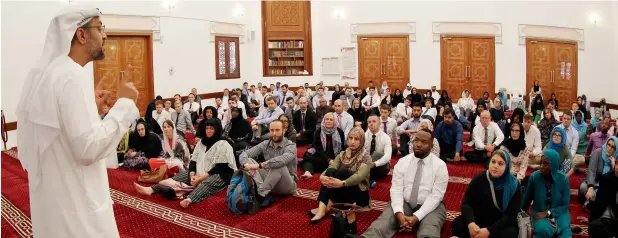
(539, 67)
(119, 52)
(564, 66)
(396, 63)
(370, 61)
(454, 69)
(481, 69)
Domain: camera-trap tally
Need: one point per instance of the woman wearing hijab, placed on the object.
(516, 117)
(582, 128)
(487, 212)
(546, 125)
(536, 90)
(515, 146)
(210, 171)
(607, 118)
(397, 98)
(346, 180)
(596, 118)
(175, 151)
(237, 131)
(537, 108)
(429, 96)
(143, 145)
(426, 123)
(557, 143)
(601, 162)
(208, 113)
(444, 99)
(503, 99)
(549, 189)
(553, 99)
(358, 113)
(328, 141)
(417, 97)
(466, 103)
(488, 102)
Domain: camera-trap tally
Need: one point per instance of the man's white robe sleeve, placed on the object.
(92, 140)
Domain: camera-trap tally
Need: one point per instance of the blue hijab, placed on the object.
(502, 97)
(595, 120)
(506, 182)
(580, 126)
(607, 165)
(554, 146)
(554, 163)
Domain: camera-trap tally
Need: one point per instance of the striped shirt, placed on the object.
(283, 155)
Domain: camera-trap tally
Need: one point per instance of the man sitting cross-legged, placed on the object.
(418, 186)
(277, 174)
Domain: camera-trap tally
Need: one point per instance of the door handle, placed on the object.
(466, 74)
(382, 69)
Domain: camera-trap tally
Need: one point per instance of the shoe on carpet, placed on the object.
(372, 184)
(353, 236)
(268, 200)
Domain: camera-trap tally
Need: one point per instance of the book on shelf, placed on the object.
(284, 53)
(286, 63)
(286, 44)
(284, 71)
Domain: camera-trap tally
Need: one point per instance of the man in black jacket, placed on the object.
(604, 212)
(305, 121)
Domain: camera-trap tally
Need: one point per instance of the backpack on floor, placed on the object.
(242, 193)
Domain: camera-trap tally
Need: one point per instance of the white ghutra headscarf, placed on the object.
(37, 114)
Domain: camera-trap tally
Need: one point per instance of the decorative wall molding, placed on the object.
(383, 28)
(551, 33)
(467, 28)
(227, 29)
(132, 23)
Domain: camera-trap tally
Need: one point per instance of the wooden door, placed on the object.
(481, 69)
(369, 61)
(564, 73)
(454, 66)
(384, 59)
(396, 63)
(121, 51)
(539, 67)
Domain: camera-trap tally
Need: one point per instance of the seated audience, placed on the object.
(343, 120)
(143, 145)
(211, 168)
(597, 117)
(418, 186)
(429, 110)
(601, 162)
(329, 140)
(347, 98)
(444, 99)
(304, 122)
(558, 143)
(318, 97)
(403, 110)
(290, 107)
(322, 109)
(175, 150)
(237, 131)
(277, 174)
(289, 131)
(603, 215)
(497, 112)
(549, 192)
(426, 124)
(192, 107)
(182, 120)
(491, 202)
(582, 128)
(450, 137)
(487, 136)
(261, 122)
(515, 146)
(397, 98)
(546, 125)
(517, 117)
(346, 180)
(371, 102)
(389, 126)
(597, 140)
(379, 146)
(408, 129)
(159, 114)
(572, 137)
(358, 113)
(532, 135)
(387, 98)
(537, 107)
(466, 103)
(607, 117)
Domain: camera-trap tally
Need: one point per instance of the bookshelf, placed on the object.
(286, 40)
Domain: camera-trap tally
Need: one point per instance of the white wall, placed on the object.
(186, 45)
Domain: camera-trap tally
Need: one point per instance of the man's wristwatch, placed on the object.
(260, 165)
(344, 184)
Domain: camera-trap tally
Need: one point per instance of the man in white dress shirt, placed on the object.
(389, 126)
(378, 144)
(320, 95)
(63, 142)
(160, 115)
(261, 122)
(533, 140)
(408, 129)
(572, 140)
(372, 101)
(343, 119)
(487, 137)
(404, 110)
(418, 186)
(347, 98)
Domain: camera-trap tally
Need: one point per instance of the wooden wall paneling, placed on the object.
(122, 49)
(565, 85)
(396, 62)
(370, 56)
(481, 75)
(454, 65)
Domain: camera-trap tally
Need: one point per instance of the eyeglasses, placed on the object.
(558, 136)
(101, 28)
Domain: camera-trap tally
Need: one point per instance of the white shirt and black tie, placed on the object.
(484, 136)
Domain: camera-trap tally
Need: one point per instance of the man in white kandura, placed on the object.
(63, 143)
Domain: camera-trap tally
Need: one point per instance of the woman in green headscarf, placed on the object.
(582, 129)
(549, 189)
(557, 142)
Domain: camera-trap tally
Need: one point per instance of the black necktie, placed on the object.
(302, 121)
(177, 116)
(373, 144)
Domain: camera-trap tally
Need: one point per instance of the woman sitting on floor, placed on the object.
(328, 141)
(549, 189)
(208, 113)
(601, 162)
(558, 143)
(515, 146)
(210, 171)
(546, 125)
(582, 129)
(175, 151)
(346, 180)
(143, 145)
(488, 211)
(426, 123)
(358, 113)
(237, 131)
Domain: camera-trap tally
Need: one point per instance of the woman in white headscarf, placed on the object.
(425, 123)
(175, 151)
(466, 103)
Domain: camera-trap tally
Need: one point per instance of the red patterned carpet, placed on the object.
(142, 216)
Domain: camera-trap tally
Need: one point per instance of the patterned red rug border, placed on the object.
(20, 222)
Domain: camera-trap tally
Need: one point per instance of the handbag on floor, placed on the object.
(241, 194)
(339, 226)
(153, 176)
(523, 220)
